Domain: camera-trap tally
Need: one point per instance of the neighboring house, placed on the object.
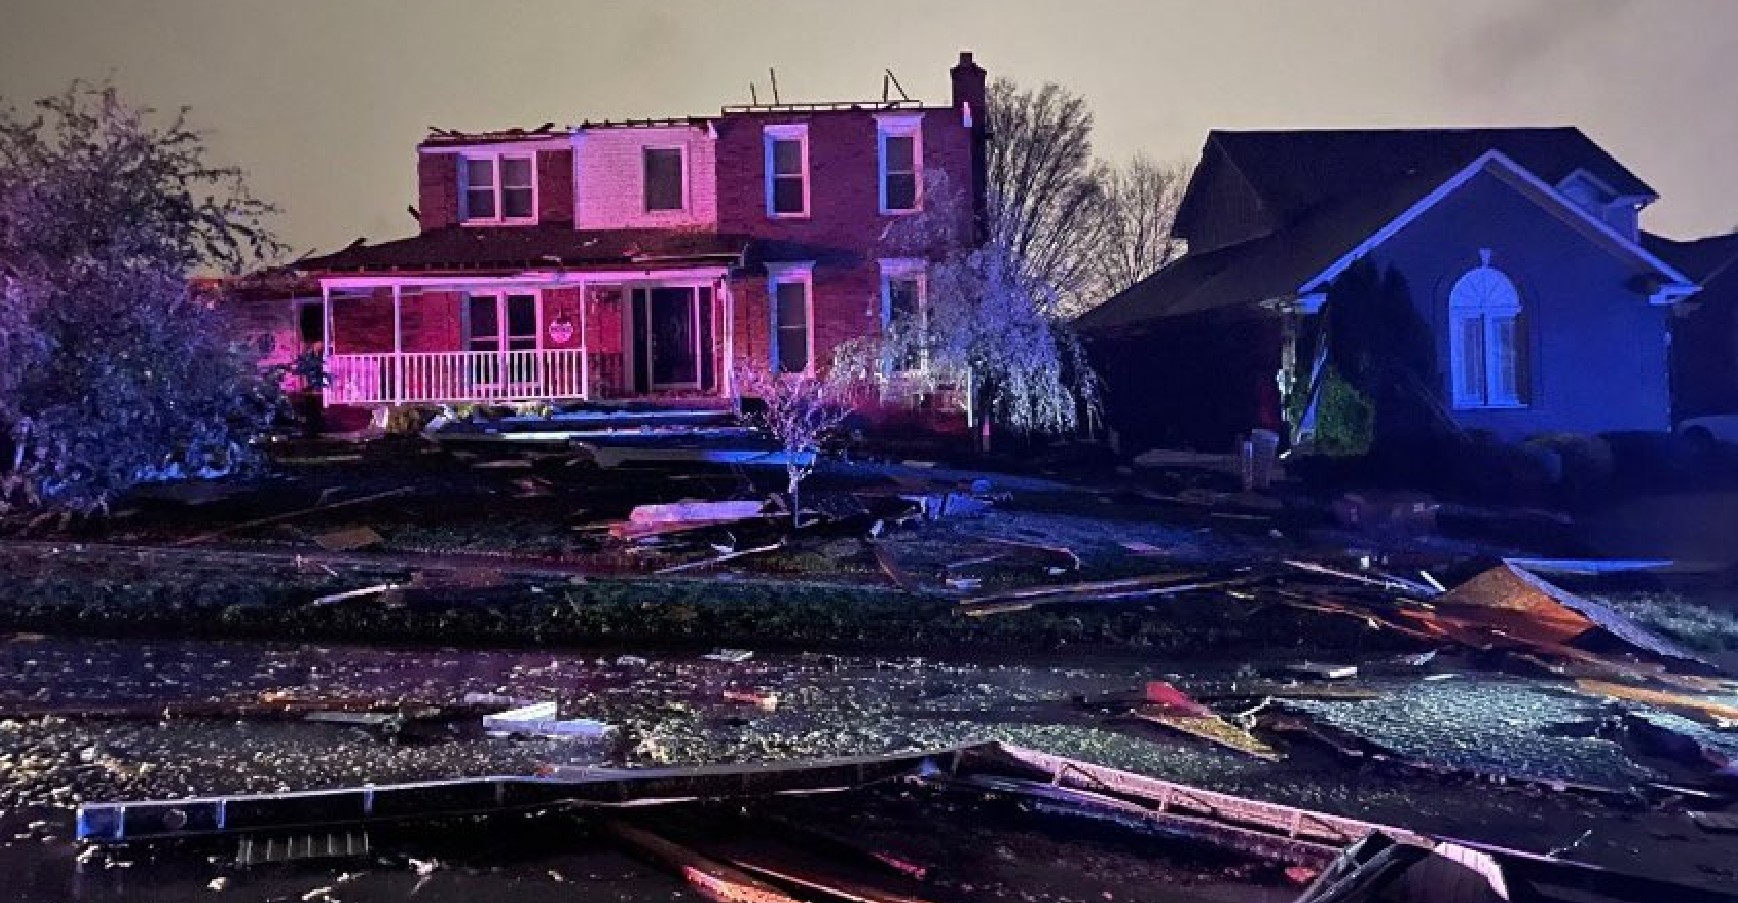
(1520, 247)
(1705, 333)
(645, 259)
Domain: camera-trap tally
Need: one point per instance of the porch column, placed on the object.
(729, 301)
(584, 341)
(330, 345)
(397, 342)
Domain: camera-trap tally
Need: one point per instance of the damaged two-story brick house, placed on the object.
(639, 260)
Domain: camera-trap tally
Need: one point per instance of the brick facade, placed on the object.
(437, 178)
(592, 179)
(555, 186)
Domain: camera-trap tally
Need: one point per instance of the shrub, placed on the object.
(1344, 418)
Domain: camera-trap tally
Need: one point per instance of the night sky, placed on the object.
(322, 101)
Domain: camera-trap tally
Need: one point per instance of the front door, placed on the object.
(670, 332)
(673, 346)
(498, 330)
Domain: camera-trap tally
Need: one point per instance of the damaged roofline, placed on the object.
(1679, 288)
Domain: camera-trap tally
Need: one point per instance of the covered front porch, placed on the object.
(556, 337)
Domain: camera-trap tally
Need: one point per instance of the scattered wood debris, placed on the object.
(713, 880)
(1170, 707)
(720, 559)
(657, 520)
(348, 540)
(539, 720)
(291, 515)
(1674, 702)
(347, 595)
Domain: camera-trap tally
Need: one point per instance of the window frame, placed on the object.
(503, 316)
(899, 125)
(902, 269)
(498, 187)
(682, 186)
(770, 136)
(1490, 318)
(794, 272)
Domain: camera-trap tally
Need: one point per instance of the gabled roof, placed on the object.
(541, 247)
(1317, 243)
(1295, 171)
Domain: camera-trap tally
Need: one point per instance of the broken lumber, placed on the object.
(291, 515)
(679, 517)
(1064, 551)
(1675, 702)
(1384, 581)
(348, 540)
(713, 880)
(891, 568)
(976, 609)
(720, 559)
(1209, 727)
(347, 595)
(831, 886)
(1034, 592)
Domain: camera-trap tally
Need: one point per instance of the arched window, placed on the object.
(1484, 341)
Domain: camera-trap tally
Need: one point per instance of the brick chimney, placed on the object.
(969, 97)
(968, 87)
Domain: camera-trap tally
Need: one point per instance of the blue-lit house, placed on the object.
(1520, 249)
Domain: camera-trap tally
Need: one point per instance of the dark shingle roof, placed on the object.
(1700, 259)
(1294, 171)
(510, 248)
(1327, 192)
(1271, 266)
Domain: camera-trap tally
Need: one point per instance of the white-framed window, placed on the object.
(664, 174)
(791, 297)
(899, 141)
(905, 303)
(787, 170)
(1486, 357)
(498, 187)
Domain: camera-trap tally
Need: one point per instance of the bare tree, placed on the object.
(988, 328)
(799, 410)
(1045, 204)
(1141, 201)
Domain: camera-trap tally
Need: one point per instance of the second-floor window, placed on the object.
(662, 168)
(787, 170)
(900, 137)
(498, 188)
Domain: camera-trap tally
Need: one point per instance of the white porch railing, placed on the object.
(456, 376)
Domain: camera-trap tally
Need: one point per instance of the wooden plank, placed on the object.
(291, 515)
(891, 568)
(713, 880)
(802, 876)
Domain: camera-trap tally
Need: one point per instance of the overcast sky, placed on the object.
(323, 101)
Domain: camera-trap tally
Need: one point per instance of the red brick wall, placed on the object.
(362, 324)
(555, 186)
(603, 323)
(753, 321)
(844, 195)
(844, 227)
(558, 304)
(437, 177)
(431, 321)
